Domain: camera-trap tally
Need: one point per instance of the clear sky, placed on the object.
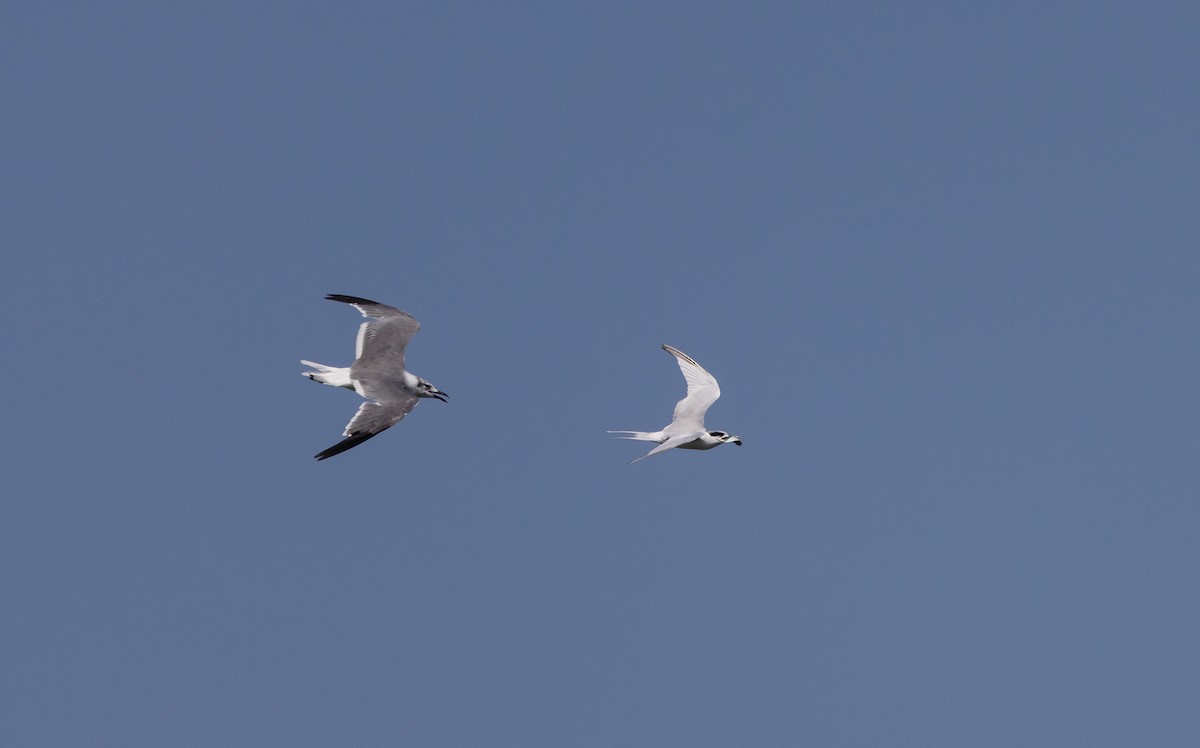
(942, 257)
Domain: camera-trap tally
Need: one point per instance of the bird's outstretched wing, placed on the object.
(702, 391)
(382, 340)
(372, 418)
(670, 443)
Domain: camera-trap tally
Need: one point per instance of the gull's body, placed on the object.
(378, 373)
(686, 430)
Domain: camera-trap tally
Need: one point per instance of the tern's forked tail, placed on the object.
(645, 436)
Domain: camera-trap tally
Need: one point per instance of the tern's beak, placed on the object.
(737, 442)
(439, 395)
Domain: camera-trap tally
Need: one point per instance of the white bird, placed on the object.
(686, 430)
(378, 373)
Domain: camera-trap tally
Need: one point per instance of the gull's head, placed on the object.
(726, 438)
(425, 389)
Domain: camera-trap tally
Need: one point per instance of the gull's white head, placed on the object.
(426, 389)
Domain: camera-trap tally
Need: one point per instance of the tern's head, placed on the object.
(726, 438)
(425, 389)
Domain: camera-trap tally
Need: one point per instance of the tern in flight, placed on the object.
(686, 429)
(378, 373)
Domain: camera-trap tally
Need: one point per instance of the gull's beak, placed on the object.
(440, 395)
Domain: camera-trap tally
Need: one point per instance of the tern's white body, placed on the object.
(686, 430)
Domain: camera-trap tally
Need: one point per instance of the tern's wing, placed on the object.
(671, 443)
(702, 391)
(372, 418)
(382, 340)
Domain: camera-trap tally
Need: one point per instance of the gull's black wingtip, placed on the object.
(349, 442)
(348, 299)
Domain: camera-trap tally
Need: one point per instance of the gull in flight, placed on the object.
(686, 429)
(378, 373)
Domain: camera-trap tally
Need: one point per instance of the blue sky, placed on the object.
(942, 258)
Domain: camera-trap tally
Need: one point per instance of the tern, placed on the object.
(686, 429)
(378, 373)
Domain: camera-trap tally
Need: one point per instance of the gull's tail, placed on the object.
(331, 375)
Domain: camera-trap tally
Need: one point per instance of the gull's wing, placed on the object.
(382, 340)
(372, 418)
(671, 443)
(702, 391)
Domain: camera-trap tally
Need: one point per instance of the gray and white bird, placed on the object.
(378, 373)
(686, 429)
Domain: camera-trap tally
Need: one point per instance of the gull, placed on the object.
(378, 373)
(686, 429)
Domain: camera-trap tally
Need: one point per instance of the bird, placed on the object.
(378, 373)
(686, 429)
